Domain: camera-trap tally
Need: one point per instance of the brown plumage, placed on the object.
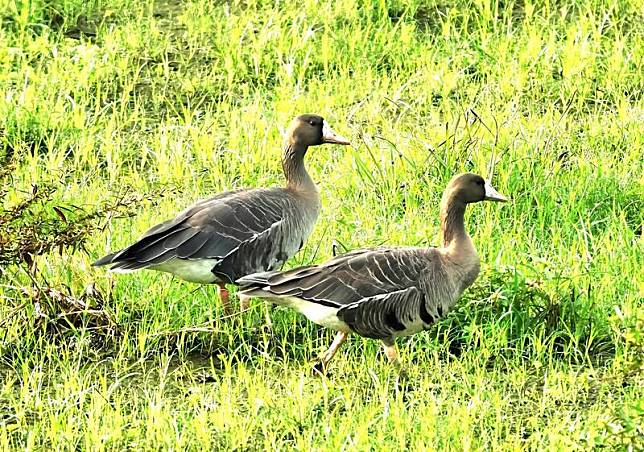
(385, 293)
(235, 233)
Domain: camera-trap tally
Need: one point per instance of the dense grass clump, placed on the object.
(105, 98)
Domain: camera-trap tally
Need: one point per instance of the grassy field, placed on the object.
(167, 102)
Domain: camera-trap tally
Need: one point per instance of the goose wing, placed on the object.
(377, 292)
(188, 212)
(211, 229)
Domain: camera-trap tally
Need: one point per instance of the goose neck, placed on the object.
(455, 237)
(294, 169)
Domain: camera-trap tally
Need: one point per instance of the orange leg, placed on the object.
(321, 365)
(244, 303)
(392, 356)
(225, 299)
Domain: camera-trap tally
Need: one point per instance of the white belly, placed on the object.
(198, 271)
(322, 315)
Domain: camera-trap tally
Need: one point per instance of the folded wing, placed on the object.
(379, 293)
(215, 228)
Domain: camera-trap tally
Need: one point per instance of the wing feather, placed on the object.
(382, 316)
(246, 221)
(352, 277)
(381, 293)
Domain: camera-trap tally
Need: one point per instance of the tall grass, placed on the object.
(188, 98)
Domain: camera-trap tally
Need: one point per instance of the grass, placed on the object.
(104, 99)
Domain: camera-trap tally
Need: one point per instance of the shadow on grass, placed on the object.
(503, 317)
(524, 320)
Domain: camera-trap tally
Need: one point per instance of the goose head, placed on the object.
(469, 188)
(312, 130)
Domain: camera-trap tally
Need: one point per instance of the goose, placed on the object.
(384, 293)
(236, 233)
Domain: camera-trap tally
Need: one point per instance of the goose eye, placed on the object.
(312, 122)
